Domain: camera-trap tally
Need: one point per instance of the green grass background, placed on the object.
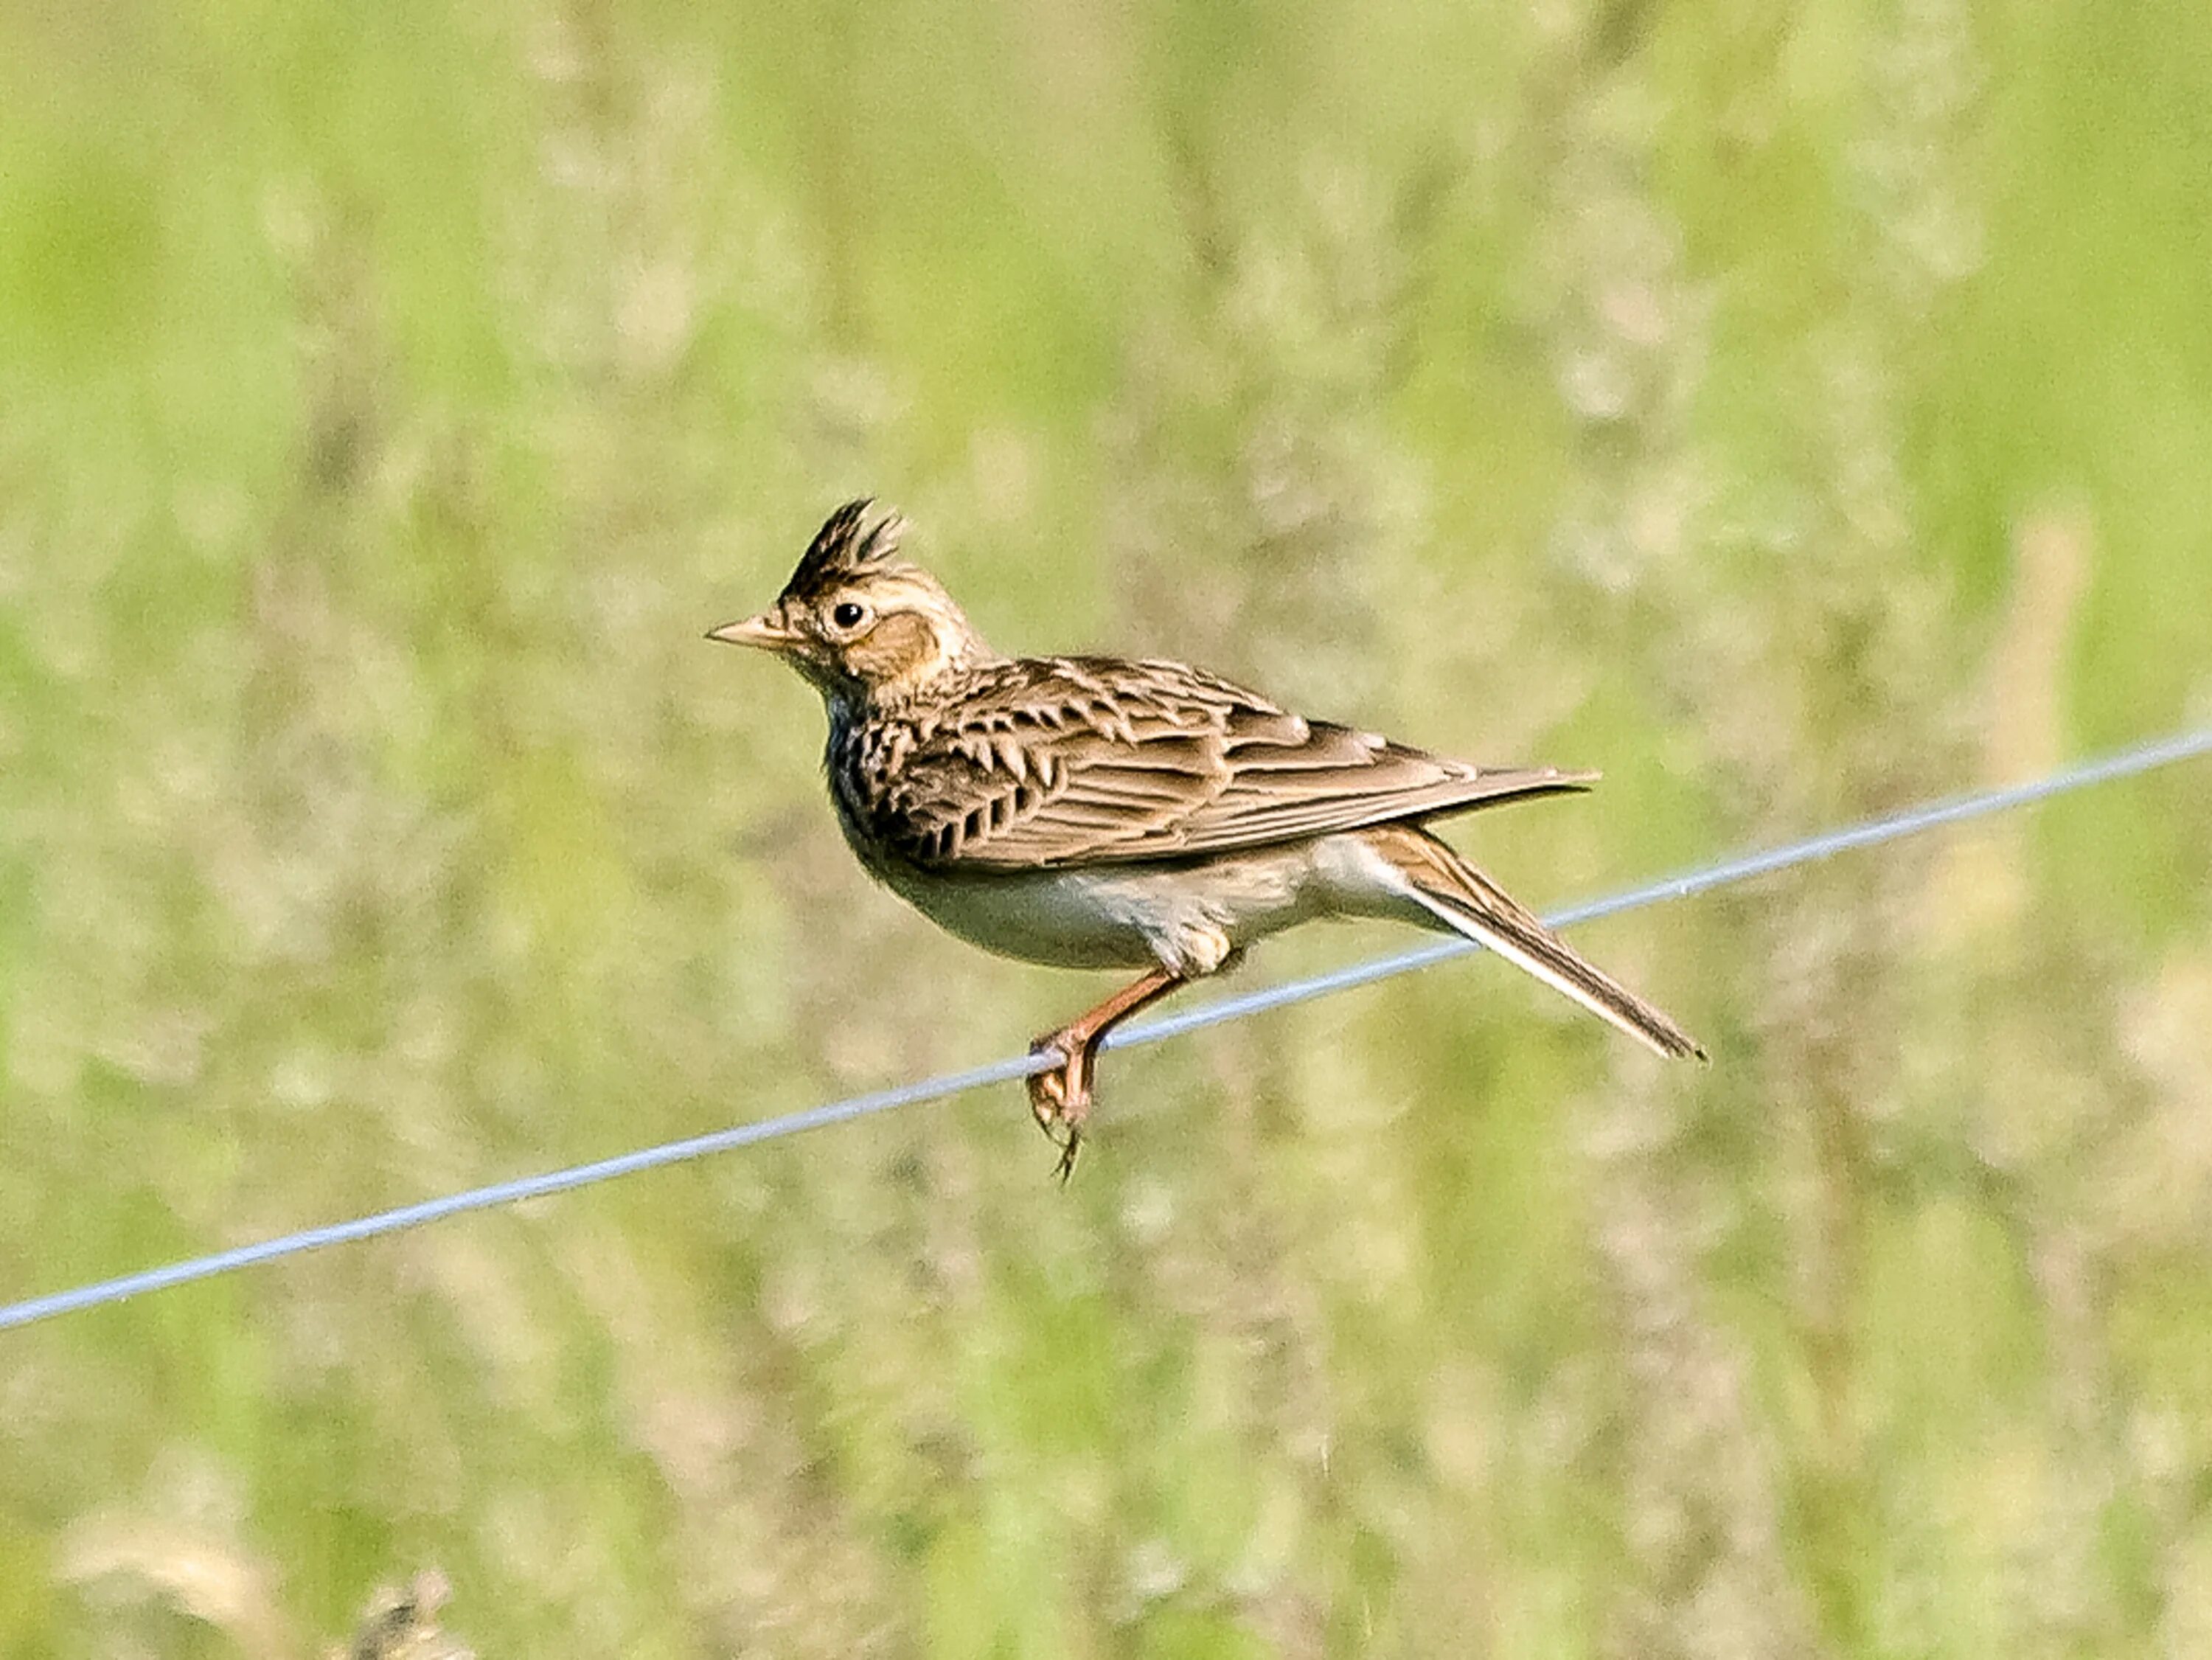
(1793, 410)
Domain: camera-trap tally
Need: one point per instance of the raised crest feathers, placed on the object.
(846, 544)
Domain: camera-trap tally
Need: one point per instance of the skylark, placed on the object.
(1096, 813)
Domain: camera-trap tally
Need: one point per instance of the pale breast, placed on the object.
(1187, 918)
(1060, 918)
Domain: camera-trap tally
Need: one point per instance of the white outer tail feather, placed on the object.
(1492, 941)
(1462, 912)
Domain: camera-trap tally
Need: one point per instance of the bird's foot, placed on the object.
(1060, 1098)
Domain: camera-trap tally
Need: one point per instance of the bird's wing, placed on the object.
(1065, 761)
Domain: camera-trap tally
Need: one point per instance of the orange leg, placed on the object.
(1061, 1096)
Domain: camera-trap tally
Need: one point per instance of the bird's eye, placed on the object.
(848, 614)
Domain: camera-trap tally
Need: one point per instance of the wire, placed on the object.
(2124, 763)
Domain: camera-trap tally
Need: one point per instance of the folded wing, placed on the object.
(1059, 761)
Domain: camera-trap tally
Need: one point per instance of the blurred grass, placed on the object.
(1791, 410)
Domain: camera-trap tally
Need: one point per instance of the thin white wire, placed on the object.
(2143, 757)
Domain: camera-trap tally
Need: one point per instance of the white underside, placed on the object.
(1188, 919)
(1191, 919)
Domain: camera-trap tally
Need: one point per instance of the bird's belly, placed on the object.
(1187, 918)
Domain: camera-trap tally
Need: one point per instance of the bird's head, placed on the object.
(858, 621)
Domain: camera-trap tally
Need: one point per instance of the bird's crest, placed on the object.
(846, 544)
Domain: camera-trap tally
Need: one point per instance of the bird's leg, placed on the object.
(1061, 1096)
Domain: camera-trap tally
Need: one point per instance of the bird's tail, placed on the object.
(1465, 901)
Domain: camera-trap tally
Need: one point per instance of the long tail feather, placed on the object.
(1464, 899)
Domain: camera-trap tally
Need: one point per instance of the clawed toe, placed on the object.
(1060, 1099)
(1068, 1149)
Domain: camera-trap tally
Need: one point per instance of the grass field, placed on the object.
(1793, 410)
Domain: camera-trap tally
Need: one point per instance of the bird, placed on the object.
(1135, 814)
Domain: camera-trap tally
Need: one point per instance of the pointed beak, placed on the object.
(765, 631)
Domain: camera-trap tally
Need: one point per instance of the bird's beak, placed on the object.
(767, 631)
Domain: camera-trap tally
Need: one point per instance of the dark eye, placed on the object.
(848, 614)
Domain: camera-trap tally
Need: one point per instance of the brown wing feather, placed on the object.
(1058, 761)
